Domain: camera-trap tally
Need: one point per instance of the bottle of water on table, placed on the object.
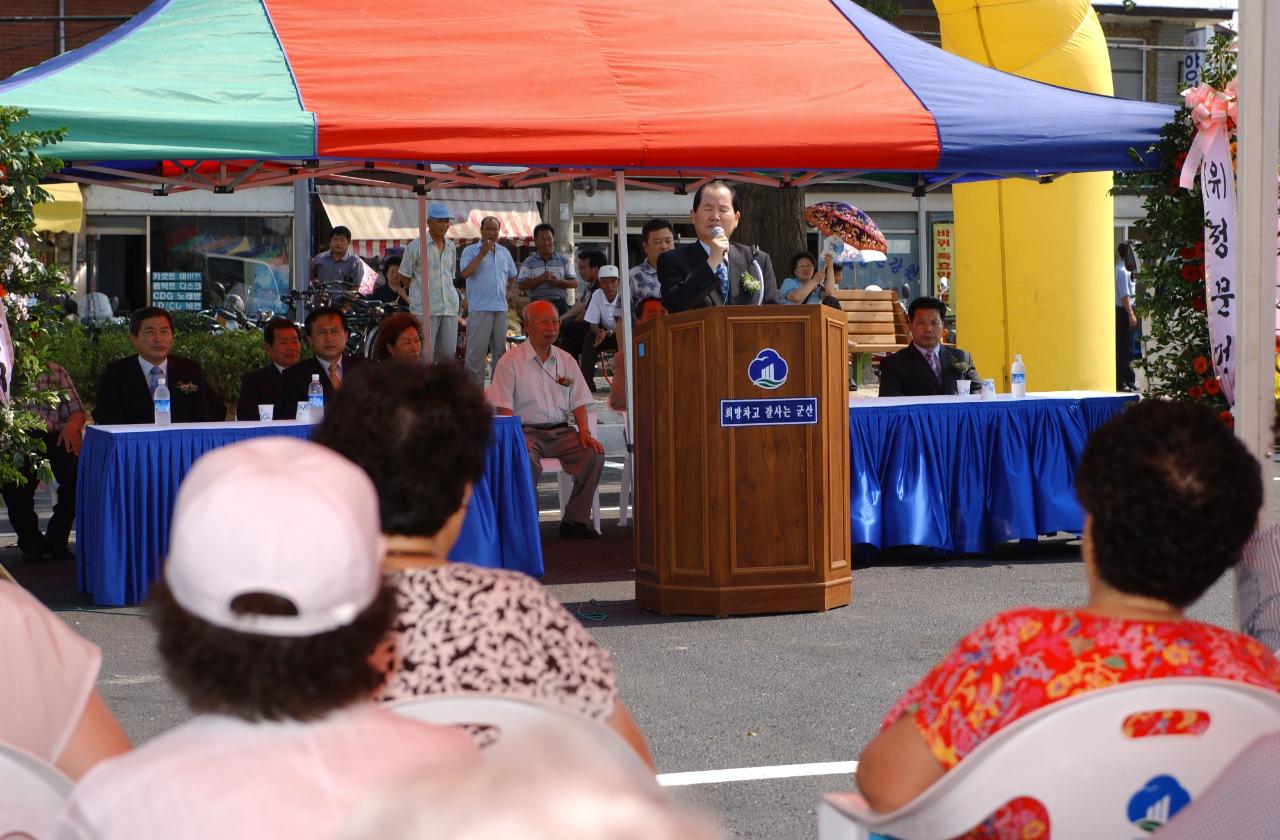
(315, 399)
(1018, 377)
(161, 403)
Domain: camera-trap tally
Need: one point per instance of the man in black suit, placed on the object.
(265, 386)
(925, 367)
(713, 271)
(126, 388)
(326, 329)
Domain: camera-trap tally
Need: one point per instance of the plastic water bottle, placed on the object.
(1018, 377)
(160, 400)
(315, 399)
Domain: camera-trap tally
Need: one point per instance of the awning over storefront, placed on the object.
(388, 218)
(64, 212)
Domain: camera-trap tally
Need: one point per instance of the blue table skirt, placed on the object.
(128, 482)
(963, 476)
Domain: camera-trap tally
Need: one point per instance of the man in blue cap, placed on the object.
(441, 264)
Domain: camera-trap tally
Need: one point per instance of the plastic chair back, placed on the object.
(32, 793)
(1075, 759)
(515, 718)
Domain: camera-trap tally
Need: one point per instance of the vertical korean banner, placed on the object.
(943, 257)
(1217, 184)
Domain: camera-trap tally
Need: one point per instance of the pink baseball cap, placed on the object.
(282, 516)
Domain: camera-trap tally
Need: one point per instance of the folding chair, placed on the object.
(1074, 758)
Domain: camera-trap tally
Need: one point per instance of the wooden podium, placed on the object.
(741, 460)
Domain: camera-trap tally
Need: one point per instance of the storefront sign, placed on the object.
(178, 291)
(790, 411)
(943, 253)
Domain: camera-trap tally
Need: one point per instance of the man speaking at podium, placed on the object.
(713, 271)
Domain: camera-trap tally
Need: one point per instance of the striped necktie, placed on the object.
(335, 375)
(722, 271)
(154, 378)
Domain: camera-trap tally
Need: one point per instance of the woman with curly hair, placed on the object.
(399, 337)
(421, 434)
(1170, 497)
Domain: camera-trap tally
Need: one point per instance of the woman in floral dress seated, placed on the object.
(422, 433)
(1170, 497)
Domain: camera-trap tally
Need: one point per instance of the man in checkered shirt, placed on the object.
(64, 424)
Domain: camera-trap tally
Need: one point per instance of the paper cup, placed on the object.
(304, 410)
(266, 411)
(963, 388)
(988, 389)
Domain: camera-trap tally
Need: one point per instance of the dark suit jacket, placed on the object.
(298, 378)
(124, 396)
(258, 387)
(907, 374)
(689, 283)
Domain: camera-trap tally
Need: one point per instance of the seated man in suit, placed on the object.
(265, 385)
(326, 329)
(541, 384)
(126, 387)
(925, 366)
(713, 271)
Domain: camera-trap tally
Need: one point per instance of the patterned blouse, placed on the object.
(1024, 659)
(464, 628)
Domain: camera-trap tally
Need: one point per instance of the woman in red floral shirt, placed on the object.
(1170, 497)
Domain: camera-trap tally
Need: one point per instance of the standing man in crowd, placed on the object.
(63, 427)
(926, 367)
(573, 329)
(546, 275)
(1126, 320)
(656, 238)
(265, 385)
(713, 271)
(442, 261)
(490, 272)
(541, 384)
(327, 333)
(127, 386)
(337, 266)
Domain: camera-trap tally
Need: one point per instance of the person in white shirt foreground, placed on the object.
(266, 622)
(550, 783)
(541, 384)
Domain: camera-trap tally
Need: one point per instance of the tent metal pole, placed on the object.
(624, 269)
(428, 340)
(1259, 138)
(924, 285)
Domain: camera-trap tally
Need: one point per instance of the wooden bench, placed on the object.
(877, 324)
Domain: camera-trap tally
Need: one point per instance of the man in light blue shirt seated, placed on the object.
(490, 272)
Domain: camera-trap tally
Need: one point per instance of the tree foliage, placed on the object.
(27, 290)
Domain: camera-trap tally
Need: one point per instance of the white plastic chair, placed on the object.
(1073, 757)
(515, 718)
(32, 793)
(553, 465)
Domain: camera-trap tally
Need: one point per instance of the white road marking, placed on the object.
(751, 774)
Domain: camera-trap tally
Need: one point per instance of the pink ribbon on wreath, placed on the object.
(1212, 111)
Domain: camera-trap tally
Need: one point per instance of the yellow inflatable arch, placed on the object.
(1033, 262)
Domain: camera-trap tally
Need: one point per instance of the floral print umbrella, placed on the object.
(835, 218)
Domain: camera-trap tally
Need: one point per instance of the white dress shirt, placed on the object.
(530, 387)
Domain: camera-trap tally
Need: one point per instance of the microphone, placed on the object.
(717, 232)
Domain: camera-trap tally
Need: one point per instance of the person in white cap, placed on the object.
(442, 262)
(265, 624)
(603, 311)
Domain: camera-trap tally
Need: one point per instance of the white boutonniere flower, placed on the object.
(748, 283)
(187, 387)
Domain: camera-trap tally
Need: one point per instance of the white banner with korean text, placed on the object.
(1218, 189)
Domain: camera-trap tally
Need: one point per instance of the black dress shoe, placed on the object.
(577, 531)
